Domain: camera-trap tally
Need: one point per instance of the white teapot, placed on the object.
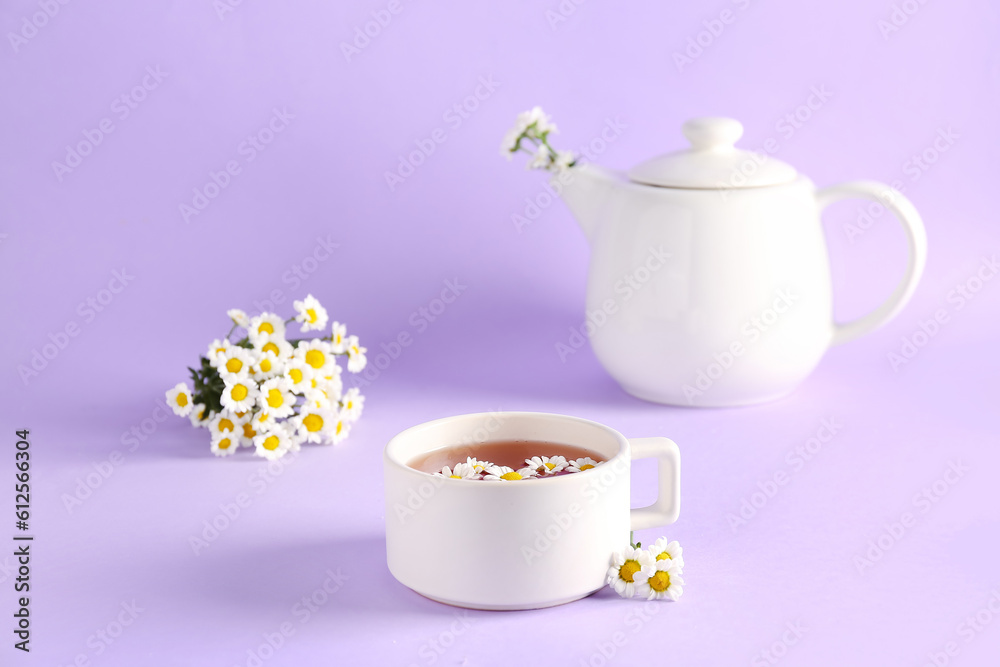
(709, 281)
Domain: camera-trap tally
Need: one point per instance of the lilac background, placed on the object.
(323, 177)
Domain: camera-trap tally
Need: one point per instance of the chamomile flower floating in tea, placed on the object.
(502, 460)
(269, 393)
(581, 464)
(654, 573)
(547, 465)
(505, 474)
(477, 465)
(461, 471)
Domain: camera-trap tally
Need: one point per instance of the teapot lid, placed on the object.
(713, 161)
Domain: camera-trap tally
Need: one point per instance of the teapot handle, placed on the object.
(916, 240)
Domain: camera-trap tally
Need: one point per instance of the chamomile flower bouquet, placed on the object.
(530, 134)
(272, 393)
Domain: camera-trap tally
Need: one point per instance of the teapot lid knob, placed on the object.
(712, 133)
(713, 161)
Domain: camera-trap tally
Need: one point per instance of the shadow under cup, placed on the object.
(505, 545)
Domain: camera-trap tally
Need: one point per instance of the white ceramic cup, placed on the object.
(524, 544)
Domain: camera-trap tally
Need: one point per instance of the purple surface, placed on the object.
(321, 181)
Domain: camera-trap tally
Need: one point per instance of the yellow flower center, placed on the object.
(296, 375)
(182, 399)
(350, 405)
(340, 427)
(313, 422)
(224, 443)
(456, 477)
(311, 314)
(660, 581)
(271, 347)
(663, 556)
(239, 392)
(225, 425)
(248, 431)
(511, 476)
(265, 365)
(271, 442)
(315, 358)
(275, 399)
(628, 569)
(234, 365)
(586, 466)
(265, 327)
(550, 466)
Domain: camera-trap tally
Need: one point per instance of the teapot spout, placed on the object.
(588, 190)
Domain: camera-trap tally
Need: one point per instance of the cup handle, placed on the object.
(668, 501)
(916, 240)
